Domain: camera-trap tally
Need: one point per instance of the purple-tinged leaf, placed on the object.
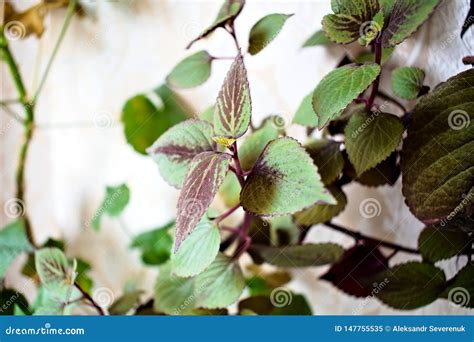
(175, 149)
(233, 105)
(352, 272)
(204, 178)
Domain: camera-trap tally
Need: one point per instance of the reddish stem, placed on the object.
(227, 213)
(375, 86)
(245, 239)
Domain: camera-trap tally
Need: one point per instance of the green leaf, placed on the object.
(230, 190)
(198, 251)
(371, 30)
(174, 295)
(367, 56)
(115, 201)
(371, 138)
(145, 120)
(352, 20)
(411, 285)
(233, 104)
(294, 304)
(229, 11)
(54, 271)
(387, 172)
(305, 115)
(155, 245)
(125, 303)
(301, 255)
(318, 38)
(284, 180)
(208, 115)
(328, 158)
(265, 30)
(83, 279)
(220, 285)
(13, 242)
(175, 149)
(460, 292)
(437, 160)
(321, 213)
(203, 180)
(255, 143)
(407, 82)
(339, 88)
(437, 244)
(191, 71)
(405, 16)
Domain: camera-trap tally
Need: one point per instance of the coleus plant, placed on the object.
(285, 187)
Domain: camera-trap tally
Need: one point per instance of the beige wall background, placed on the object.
(126, 47)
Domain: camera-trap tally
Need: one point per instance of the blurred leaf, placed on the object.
(437, 160)
(283, 180)
(145, 120)
(198, 251)
(175, 149)
(265, 30)
(13, 242)
(55, 272)
(220, 285)
(191, 71)
(411, 285)
(205, 176)
(355, 268)
(229, 11)
(339, 88)
(254, 144)
(115, 201)
(320, 213)
(233, 104)
(327, 157)
(407, 82)
(262, 305)
(371, 138)
(28, 269)
(82, 278)
(318, 38)
(155, 245)
(10, 300)
(125, 303)
(174, 295)
(460, 290)
(301, 255)
(230, 190)
(305, 115)
(437, 244)
(208, 115)
(404, 18)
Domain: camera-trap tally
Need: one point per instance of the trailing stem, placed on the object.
(91, 300)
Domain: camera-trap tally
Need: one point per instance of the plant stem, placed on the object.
(387, 97)
(245, 240)
(28, 125)
(89, 299)
(375, 86)
(227, 213)
(67, 21)
(359, 236)
(231, 30)
(238, 169)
